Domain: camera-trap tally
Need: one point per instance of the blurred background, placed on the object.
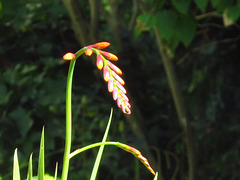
(180, 60)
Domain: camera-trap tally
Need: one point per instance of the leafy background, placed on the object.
(200, 36)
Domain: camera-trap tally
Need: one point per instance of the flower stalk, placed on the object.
(125, 147)
(115, 85)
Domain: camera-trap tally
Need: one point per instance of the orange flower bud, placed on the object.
(100, 45)
(108, 55)
(121, 87)
(115, 93)
(69, 56)
(127, 103)
(114, 68)
(146, 163)
(110, 84)
(89, 52)
(119, 101)
(106, 74)
(126, 110)
(118, 78)
(99, 62)
(124, 96)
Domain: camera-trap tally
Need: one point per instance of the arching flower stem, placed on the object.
(69, 114)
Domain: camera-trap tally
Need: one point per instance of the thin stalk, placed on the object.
(78, 151)
(69, 115)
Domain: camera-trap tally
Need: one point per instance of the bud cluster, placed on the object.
(111, 73)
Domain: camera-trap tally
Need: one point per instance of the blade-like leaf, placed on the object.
(29, 175)
(100, 152)
(16, 170)
(156, 176)
(41, 168)
(56, 169)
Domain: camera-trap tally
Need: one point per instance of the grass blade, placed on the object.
(41, 168)
(156, 176)
(30, 171)
(16, 170)
(100, 151)
(56, 169)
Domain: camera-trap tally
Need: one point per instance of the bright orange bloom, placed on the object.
(69, 56)
(114, 68)
(108, 55)
(106, 73)
(99, 62)
(100, 45)
(89, 52)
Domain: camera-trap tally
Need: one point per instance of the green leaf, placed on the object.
(100, 152)
(41, 166)
(202, 4)
(181, 5)
(232, 13)
(30, 173)
(186, 29)
(166, 22)
(221, 5)
(23, 120)
(16, 170)
(4, 94)
(56, 169)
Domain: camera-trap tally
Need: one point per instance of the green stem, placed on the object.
(74, 153)
(69, 115)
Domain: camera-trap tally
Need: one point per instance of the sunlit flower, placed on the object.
(69, 56)
(111, 74)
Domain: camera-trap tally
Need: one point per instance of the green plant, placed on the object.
(115, 86)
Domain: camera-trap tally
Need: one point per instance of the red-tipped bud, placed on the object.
(124, 96)
(99, 62)
(100, 45)
(146, 163)
(114, 68)
(110, 84)
(89, 52)
(115, 93)
(109, 56)
(69, 56)
(126, 110)
(121, 87)
(118, 78)
(127, 104)
(106, 74)
(119, 101)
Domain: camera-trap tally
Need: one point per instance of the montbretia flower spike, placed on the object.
(137, 154)
(111, 73)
